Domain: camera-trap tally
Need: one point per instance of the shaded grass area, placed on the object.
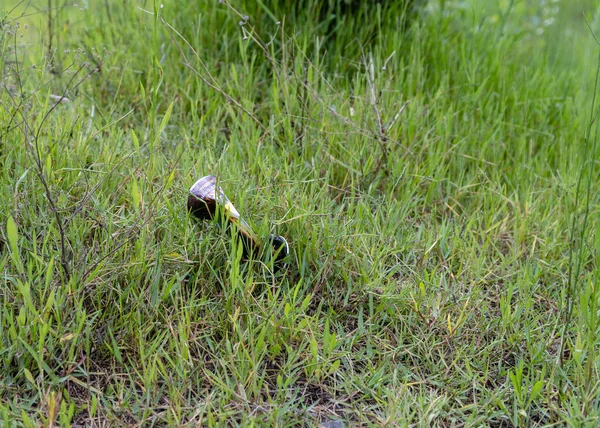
(424, 174)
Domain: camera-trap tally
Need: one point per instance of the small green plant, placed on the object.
(525, 398)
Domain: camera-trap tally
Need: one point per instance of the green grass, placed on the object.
(425, 176)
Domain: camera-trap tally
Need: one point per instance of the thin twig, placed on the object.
(575, 271)
(213, 83)
(382, 137)
(32, 139)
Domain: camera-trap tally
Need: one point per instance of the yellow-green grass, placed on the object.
(444, 257)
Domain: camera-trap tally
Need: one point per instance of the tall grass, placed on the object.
(424, 172)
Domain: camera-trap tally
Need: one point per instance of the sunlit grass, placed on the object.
(424, 174)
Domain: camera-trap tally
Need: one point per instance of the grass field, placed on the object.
(436, 177)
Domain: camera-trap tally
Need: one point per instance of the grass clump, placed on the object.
(425, 176)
